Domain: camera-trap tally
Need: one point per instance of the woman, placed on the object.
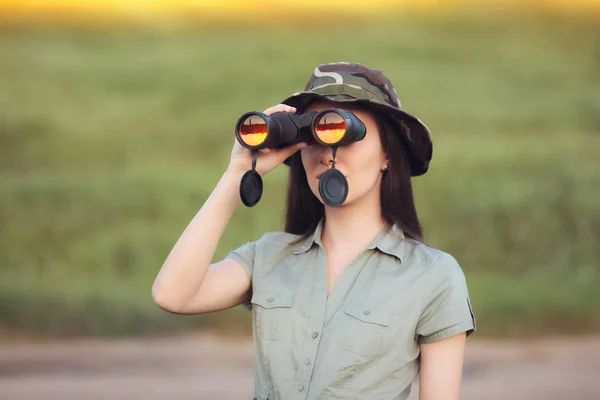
(348, 302)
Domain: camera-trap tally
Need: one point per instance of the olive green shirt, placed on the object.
(363, 340)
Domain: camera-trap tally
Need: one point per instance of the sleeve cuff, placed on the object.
(242, 262)
(247, 305)
(466, 326)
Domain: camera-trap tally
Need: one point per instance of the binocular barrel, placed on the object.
(256, 130)
(330, 127)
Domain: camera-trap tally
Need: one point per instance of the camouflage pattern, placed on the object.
(352, 82)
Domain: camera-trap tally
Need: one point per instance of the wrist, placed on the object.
(234, 174)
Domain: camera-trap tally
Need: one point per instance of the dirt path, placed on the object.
(207, 368)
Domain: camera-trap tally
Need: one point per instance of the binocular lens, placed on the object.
(253, 130)
(330, 128)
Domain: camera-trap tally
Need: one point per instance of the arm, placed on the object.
(445, 323)
(441, 368)
(187, 283)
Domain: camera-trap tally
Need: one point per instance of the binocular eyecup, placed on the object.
(332, 127)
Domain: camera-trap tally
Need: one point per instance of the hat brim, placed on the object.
(417, 137)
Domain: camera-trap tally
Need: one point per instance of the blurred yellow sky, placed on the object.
(240, 7)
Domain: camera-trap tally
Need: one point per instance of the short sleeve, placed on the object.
(245, 256)
(446, 305)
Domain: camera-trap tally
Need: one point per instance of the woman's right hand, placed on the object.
(241, 157)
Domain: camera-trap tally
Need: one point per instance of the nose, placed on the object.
(326, 156)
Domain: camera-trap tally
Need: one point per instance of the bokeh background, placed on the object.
(116, 122)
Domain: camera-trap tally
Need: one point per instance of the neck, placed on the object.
(357, 223)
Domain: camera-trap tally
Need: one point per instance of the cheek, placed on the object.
(364, 159)
(309, 157)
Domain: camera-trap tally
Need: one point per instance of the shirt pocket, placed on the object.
(272, 314)
(364, 327)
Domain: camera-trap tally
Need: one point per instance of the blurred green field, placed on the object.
(111, 139)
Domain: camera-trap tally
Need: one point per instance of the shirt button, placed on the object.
(366, 312)
(315, 334)
(300, 388)
(307, 361)
(270, 299)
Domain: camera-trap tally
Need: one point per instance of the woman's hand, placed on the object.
(241, 157)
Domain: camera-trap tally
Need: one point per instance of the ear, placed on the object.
(386, 164)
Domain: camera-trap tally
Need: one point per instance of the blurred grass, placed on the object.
(110, 141)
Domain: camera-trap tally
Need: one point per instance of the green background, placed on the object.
(112, 138)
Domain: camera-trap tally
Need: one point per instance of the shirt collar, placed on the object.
(388, 240)
(307, 243)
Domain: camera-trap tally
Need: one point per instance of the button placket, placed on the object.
(316, 322)
(310, 348)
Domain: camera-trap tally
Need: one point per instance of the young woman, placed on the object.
(349, 302)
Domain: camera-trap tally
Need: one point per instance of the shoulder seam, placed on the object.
(430, 266)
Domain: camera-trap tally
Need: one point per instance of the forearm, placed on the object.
(183, 272)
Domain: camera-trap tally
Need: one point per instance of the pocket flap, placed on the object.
(371, 312)
(273, 300)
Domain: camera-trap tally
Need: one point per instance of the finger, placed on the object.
(279, 108)
(265, 150)
(290, 150)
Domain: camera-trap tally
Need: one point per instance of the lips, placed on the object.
(318, 176)
(320, 173)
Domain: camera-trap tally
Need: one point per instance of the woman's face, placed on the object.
(361, 162)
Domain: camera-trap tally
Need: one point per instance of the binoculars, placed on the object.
(332, 127)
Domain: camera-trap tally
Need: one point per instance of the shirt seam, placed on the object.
(244, 264)
(249, 271)
(430, 266)
(455, 329)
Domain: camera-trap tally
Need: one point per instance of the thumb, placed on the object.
(286, 152)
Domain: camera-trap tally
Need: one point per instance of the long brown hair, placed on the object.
(304, 210)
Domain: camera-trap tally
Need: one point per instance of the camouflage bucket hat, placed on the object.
(354, 83)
